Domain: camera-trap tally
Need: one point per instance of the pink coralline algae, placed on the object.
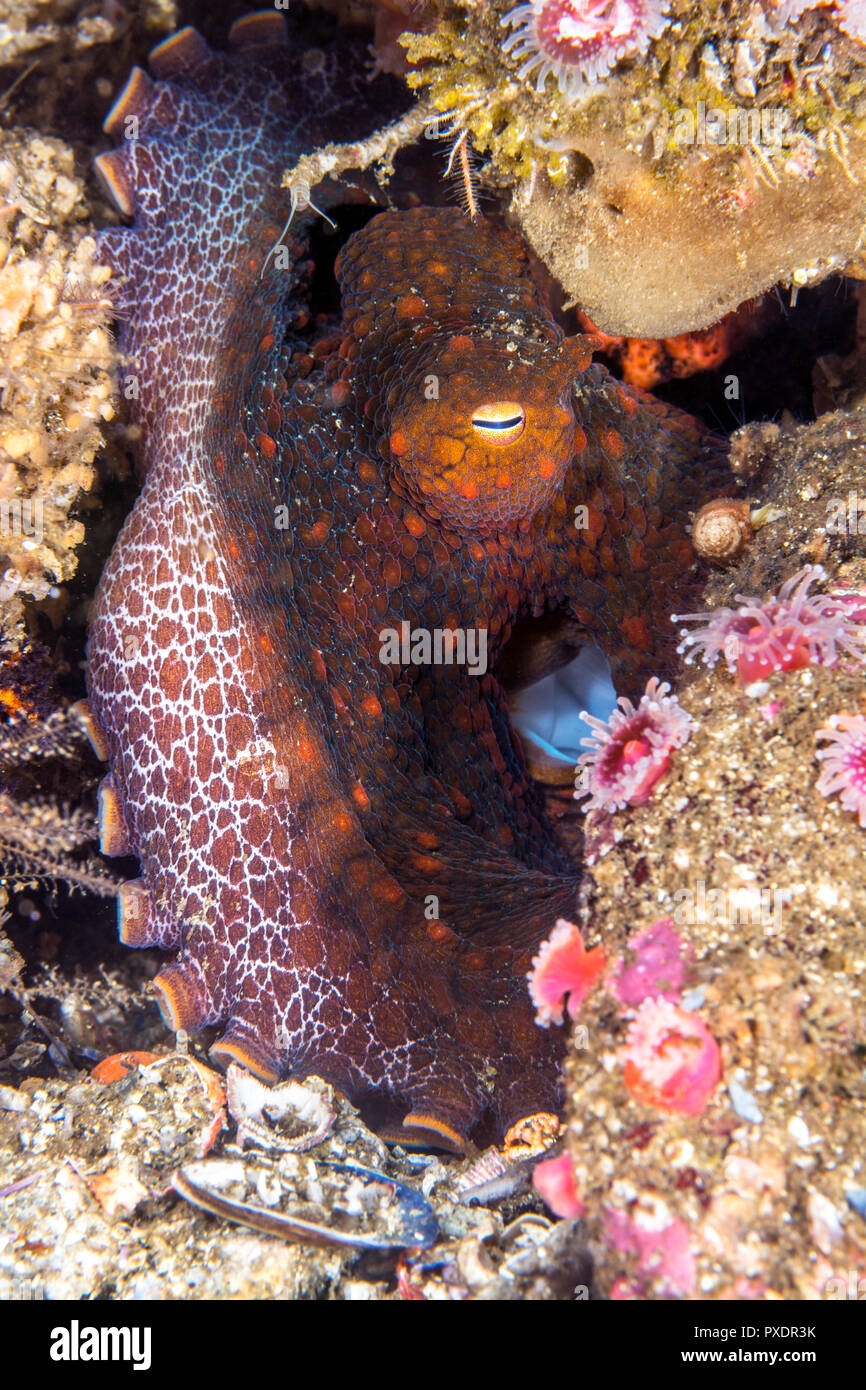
(563, 969)
(632, 750)
(579, 41)
(659, 966)
(844, 761)
(553, 1180)
(672, 1060)
(660, 1246)
(782, 632)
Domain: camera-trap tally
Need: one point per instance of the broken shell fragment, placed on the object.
(323, 1204)
(290, 1116)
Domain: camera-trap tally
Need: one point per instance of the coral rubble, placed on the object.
(56, 367)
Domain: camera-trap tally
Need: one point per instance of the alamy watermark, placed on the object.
(730, 907)
(846, 516)
(77, 1343)
(733, 125)
(21, 518)
(848, 1288)
(439, 646)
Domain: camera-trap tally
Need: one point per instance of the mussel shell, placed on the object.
(411, 1220)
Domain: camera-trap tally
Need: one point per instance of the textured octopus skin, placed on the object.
(349, 858)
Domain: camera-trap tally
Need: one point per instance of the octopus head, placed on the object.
(482, 429)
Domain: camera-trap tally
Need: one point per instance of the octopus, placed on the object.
(338, 835)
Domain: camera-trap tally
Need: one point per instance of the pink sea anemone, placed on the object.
(563, 969)
(659, 965)
(660, 1246)
(672, 1060)
(632, 750)
(579, 41)
(844, 761)
(553, 1180)
(782, 632)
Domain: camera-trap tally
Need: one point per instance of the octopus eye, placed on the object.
(500, 422)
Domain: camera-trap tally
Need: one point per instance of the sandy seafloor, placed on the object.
(761, 1195)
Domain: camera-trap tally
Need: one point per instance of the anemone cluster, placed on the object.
(788, 631)
(782, 632)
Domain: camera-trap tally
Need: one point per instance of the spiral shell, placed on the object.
(721, 530)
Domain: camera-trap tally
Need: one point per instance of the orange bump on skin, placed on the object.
(426, 864)
(637, 556)
(613, 442)
(414, 525)
(389, 890)
(636, 632)
(342, 823)
(461, 343)
(360, 797)
(438, 932)
(411, 306)
(372, 706)
(268, 446)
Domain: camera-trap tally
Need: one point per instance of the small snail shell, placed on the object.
(721, 530)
